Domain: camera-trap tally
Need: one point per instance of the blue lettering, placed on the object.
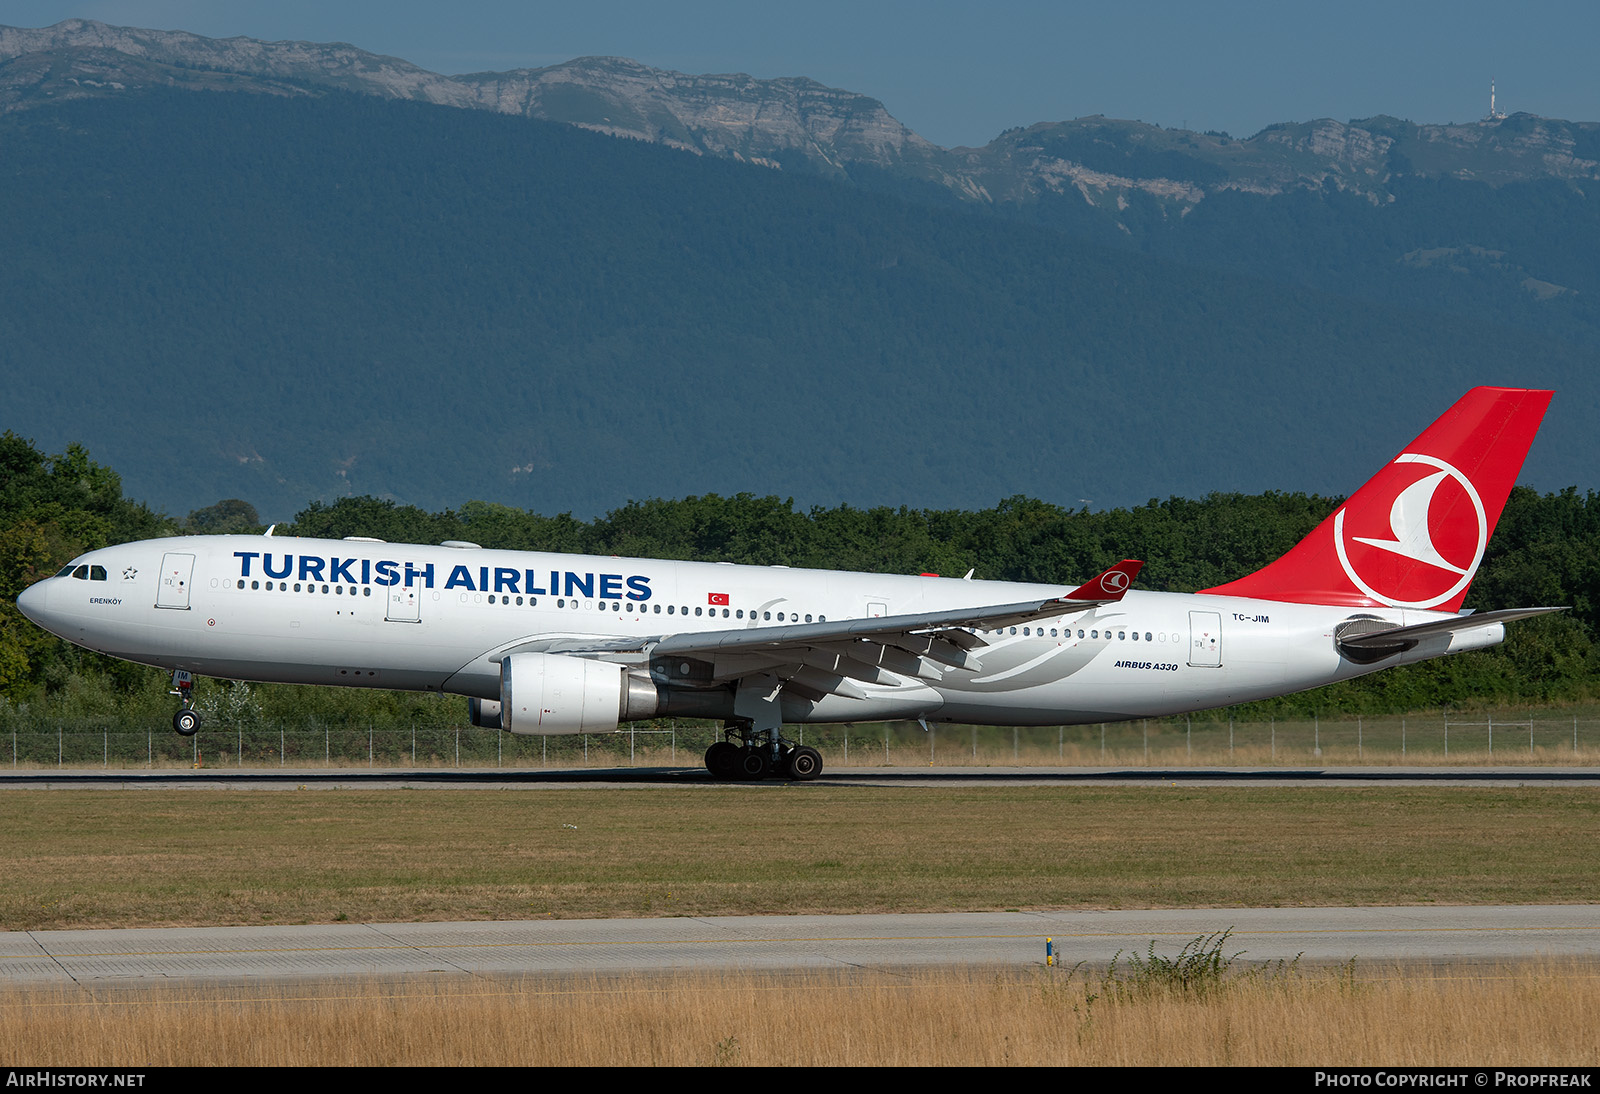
(611, 586)
(311, 568)
(640, 587)
(460, 579)
(580, 581)
(532, 588)
(388, 573)
(245, 557)
(288, 565)
(426, 573)
(506, 578)
(341, 570)
(366, 571)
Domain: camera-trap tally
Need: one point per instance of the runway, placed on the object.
(1441, 935)
(487, 778)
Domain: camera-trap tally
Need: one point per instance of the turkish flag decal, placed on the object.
(716, 598)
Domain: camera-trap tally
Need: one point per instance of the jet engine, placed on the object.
(554, 693)
(485, 713)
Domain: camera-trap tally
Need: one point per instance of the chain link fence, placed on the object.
(1443, 738)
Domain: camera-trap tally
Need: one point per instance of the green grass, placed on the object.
(106, 858)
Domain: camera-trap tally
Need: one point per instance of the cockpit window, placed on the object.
(81, 573)
(97, 573)
(66, 571)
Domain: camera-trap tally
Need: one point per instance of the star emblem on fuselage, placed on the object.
(129, 574)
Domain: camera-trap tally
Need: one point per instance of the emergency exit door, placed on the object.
(405, 605)
(1205, 640)
(177, 570)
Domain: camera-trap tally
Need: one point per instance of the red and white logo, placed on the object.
(1113, 582)
(1423, 548)
(716, 598)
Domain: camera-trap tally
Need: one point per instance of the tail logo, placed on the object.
(1113, 581)
(1425, 549)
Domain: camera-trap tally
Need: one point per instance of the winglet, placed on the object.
(1109, 586)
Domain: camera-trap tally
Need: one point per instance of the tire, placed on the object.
(754, 764)
(722, 760)
(804, 764)
(186, 722)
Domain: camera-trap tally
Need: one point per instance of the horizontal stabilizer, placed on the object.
(1396, 636)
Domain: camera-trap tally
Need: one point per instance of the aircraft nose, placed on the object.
(33, 603)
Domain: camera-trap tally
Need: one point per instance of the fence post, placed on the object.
(1188, 735)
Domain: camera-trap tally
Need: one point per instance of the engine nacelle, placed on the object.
(554, 693)
(485, 713)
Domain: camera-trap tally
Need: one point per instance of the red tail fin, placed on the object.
(1413, 536)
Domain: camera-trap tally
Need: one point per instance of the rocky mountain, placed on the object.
(798, 124)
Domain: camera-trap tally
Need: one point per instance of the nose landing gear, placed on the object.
(187, 720)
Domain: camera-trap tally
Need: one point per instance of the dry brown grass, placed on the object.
(108, 858)
(1528, 1016)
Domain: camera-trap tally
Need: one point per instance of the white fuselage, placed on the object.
(370, 614)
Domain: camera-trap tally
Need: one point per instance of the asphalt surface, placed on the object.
(536, 778)
(1441, 935)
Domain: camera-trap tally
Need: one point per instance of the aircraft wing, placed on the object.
(822, 658)
(1407, 636)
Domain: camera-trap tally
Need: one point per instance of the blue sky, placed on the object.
(958, 73)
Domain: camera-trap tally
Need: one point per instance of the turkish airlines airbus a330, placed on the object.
(548, 643)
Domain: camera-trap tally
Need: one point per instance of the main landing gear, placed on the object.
(187, 720)
(760, 754)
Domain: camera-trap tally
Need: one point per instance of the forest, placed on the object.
(1546, 551)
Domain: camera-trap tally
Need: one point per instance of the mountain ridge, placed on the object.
(796, 123)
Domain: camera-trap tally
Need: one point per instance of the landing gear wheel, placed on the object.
(722, 760)
(186, 722)
(754, 764)
(804, 764)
